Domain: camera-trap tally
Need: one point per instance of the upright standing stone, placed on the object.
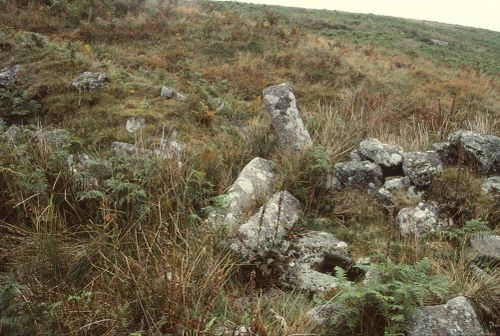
(281, 104)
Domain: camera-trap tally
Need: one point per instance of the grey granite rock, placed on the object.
(422, 219)
(90, 81)
(421, 167)
(359, 174)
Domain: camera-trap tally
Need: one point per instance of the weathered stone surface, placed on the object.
(492, 185)
(281, 105)
(90, 80)
(485, 247)
(8, 75)
(420, 220)
(313, 259)
(455, 318)
(421, 167)
(265, 232)
(359, 174)
(439, 42)
(170, 93)
(254, 183)
(389, 157)
(135, 124)
(473, 149)
(355, 155)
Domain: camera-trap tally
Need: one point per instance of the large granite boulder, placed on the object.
(255, 183)
(358, 174)
(264, 233)
(90, 81)
(471, 148)
(280, 103)
(455, 318)
(421, 167)
(388, 157)
(420, 220)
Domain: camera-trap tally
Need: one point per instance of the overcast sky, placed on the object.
(474, 13)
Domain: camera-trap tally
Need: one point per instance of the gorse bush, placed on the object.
(387, 299)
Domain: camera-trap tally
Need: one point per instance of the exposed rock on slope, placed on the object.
(90, 80)
(421, 167)
(420, 220)
(455, 318)
(281, 105)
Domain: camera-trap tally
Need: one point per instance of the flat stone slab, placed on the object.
(455, 318)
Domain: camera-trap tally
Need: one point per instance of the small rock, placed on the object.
(8, 75)
(485, 247)
(323, 313)
(90, 80)
(455, 318)
(473, 149)
(169, 149)
(386, 156)
(265, 231)
(492, 185)
(421, 167)
(359, 174)
(439, 42)
(420, 220)
(254, 183)
(57, 138)
(135, 124)
(170, 93)
(281, 105)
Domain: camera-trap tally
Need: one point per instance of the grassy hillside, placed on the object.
(132, 256)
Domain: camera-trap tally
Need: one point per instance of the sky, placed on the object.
(473, 13)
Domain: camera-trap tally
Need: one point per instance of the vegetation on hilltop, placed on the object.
(120, 247)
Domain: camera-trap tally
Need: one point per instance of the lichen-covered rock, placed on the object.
(422, 219)
(388, 157)
(355, 155)
(265, 232)
(170, 93)
(486, 248)
(473, 149)
(313, 258)
(359, 174)
(8, 75)
(281, 105)
(90, 80)
(135, 124)
(421, 167)
(254, 183)
(492, 185)
(455, 318)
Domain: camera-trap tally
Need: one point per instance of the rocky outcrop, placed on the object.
(280, 103)
(90, 81)
(421, 167)
(314, 257)
(473, 149)
(388, 157)
(254, 183)
(358, 174)
(455, 318)
(264, 233)
(422, 219)
(8, 75)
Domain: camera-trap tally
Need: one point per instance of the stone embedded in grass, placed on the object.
(386, 194)
(422, 219)
(8, 75)
(439, 42)
(388, 157)
(421, 167)
(135, 124)
(90, 81)
(473, 149)
(359, 174)
(264, 233)
(169, 149)
(56, 138)
(122, 148)
(280, 103)
(313, 258)
(170, 93)
(455, 318)
(254, 183)
(492, 185)
(485, 248)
